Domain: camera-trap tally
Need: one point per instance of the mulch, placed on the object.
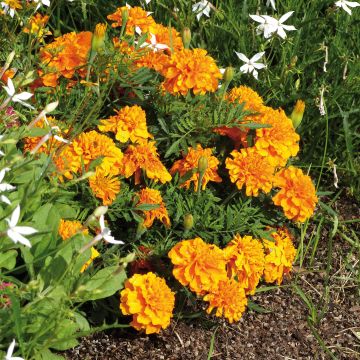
(281, 331)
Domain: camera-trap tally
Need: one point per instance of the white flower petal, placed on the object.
(16, 237)
(258, 18)
(257, 57)
(255, 73)
(102, 223)
(259, 66)
(22, 96)
(6, 187)
(111, 240)
(245, 68)
(285, 16)
(15, 216)
(5, 200)
(281, 32)
(10, 349)
(352, 3)
(25, 230)
(242, 57)
(289, 27)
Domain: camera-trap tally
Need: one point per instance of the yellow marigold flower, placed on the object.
(92, 145)
(297, 195)
(279, 142)
(136, 16)
(279, 256)
(145, 157)
(105, 185)
(251, 169)
(68, 228)
(152, 196)
(199, 265)
(229, 299)
(93, 256)
(245, 261)
(129, 123)
(36, 25)
(65, 56)
(149, 300)
(190, 69)
(190, 162)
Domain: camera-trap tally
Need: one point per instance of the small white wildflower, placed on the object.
(251, 65)
(7, 9)
(15, 232)
(20, 98)
(322, 102)
(41, 2)
(105, 233)
(10, 351)
(5, 187)
(201, 8)
(153, 44)
(45, 138)
(346, 5)
(272, 3)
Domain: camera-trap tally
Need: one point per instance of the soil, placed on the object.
(285, 329)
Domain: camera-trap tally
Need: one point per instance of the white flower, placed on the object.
(345, 5)
(201, 8)
(42, 2)
(5, 187)
(7, 9)
(45, 138)
(105, 233)
(10, 352)
(250, 64)
(15, 232)
(20, 98)
(269, 25)
(154, 45)
(272, 3)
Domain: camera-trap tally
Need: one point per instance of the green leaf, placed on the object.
(46, 354)
(8, 259)
(257, 308)
(147, 207)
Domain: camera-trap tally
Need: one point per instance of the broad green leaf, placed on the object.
(8, 259)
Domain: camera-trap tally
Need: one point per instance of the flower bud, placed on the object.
(188, 222)
(97, 42)
(228, 74)
(124, 16)
(141, 229)
(100, 210)
(202, 164)
(298, 113)
(51, 107)
(9, 59)
(186, 37)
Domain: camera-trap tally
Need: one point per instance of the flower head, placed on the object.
(20, 98)
(229, 299)
(10, 6)
(105, 233)
(129, 123)
(251, 169)
(346, 5)
(153, 196)
(197, 264)
(10, 351)
(190, 70)
(144, 157)
(69, 228)
(190, 162)
(149, 300)
(36, 25)
(251, 65)
(279, 256)
(297, 195)
(245, 261)
(201, 8)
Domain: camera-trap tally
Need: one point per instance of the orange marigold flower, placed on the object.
(66, 55)
(93, 256)
(152, 196)
(199, 265)
(229, 298)
(8, 74)
(36, 25)
(251, 169)
(92, 145)
(136, 17)
(129, 123)
(190, 162)
(67, 162)
(104, 185)
(167, 36)
(279, 142)
(190, 69)
(245, 261)
(297, 195)
(149, 300)
(279, 256)
(145, 157)
(68, 228)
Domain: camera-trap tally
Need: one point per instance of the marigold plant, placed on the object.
(297, 195)
(279, 256)
(149, 300)
(229, 299)
(249, 168)
(199, 265)
(153, 196)
(68, 228)
(245, 261)
(190, 162)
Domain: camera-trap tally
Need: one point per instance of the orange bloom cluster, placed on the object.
(229, 299)
(279, 142)
(190, 163)
(136, 16)
(251, 169)
(68, 228)
(190, 69)
(129, 123)
(153, 196)
(149, 300)
(144, 157)
(245, 261)
(199, 265)
(37, 25)
(279, 256)
(105, 185)
(65, 56)
(297, 195)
